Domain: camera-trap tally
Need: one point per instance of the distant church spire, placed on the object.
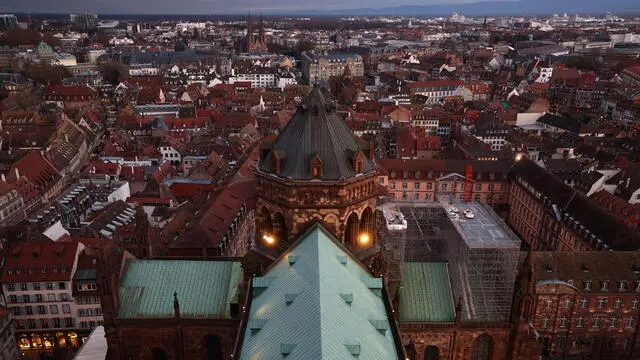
(256, 45)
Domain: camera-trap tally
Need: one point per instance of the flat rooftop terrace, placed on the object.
(485, 230)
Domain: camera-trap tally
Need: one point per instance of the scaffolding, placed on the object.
(482, 253)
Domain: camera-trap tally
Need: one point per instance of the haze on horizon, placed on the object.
(190, 7)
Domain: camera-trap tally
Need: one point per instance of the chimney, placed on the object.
(3, 178)
(17, 173)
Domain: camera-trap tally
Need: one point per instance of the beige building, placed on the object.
(317, 68)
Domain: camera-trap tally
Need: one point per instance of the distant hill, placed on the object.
(522, 7)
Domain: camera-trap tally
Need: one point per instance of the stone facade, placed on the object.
(286, 208)
(177, 338)
(462, 341)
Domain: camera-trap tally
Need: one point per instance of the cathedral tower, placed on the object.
(316, 171)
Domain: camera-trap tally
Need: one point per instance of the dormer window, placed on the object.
(622, 286)
(358, 162)
(605, 285)
(587, 285)
(316, 167)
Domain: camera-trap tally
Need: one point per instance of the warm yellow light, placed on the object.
(364, 239)
(518, 157)
(270, 240)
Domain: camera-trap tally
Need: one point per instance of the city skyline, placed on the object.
(331, 7)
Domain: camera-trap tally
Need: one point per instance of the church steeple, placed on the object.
(261, 31)
(249, 32)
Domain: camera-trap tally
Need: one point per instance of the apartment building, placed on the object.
(37, 285)
(317, 68)
(415, 180)
(582, 305)
(8, 348)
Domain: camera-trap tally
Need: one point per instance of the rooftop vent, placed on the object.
(347, 297)
(292, 259)
(354, 349)
(342, 259)
(286, 349)
(380, 325)
(584, 267)
(256, 325)
(260, 284)
(289, 298)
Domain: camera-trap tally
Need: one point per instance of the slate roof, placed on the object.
(616, 235)
(560, 122)
(426, 295)
(303, 307)
(205, 288)
(316, 129)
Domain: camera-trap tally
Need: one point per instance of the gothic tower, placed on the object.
(256, 45)
(316, 171)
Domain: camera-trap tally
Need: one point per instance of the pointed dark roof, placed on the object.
(316, 130)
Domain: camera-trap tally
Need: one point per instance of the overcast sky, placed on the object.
(198, 6)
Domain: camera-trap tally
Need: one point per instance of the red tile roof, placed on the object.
(433, 83)
(39, 261)
(36, 168)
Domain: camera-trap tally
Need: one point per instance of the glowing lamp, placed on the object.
(268, 239)
(364, 239)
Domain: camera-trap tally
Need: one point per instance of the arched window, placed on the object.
(367, 228)
(158, 354)
(431, 353)
(214, 348)
(280, 230)
(352, 231)
(264, 222)
(482, 348)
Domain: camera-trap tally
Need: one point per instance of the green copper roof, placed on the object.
(317, 307)
(205, 288)
(426, 293)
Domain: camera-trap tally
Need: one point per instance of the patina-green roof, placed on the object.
(321, 305)
(205, 288)
(426, 293)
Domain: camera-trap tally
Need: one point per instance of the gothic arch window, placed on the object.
(367, 228)
(482, 348)
(158, 354)
(352, 230)
(266, 226)
(280, 230)
(213, 348)
(431, 353)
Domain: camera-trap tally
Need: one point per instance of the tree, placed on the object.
(46, 74)
(111, 72)
(304, 45)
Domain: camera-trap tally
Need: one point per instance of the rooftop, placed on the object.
(426, 293)
(205, 289)
(315, 132)
(318, 302)
(485, 230)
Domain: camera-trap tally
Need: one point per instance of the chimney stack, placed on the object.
(3, 178)
(17, 174)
